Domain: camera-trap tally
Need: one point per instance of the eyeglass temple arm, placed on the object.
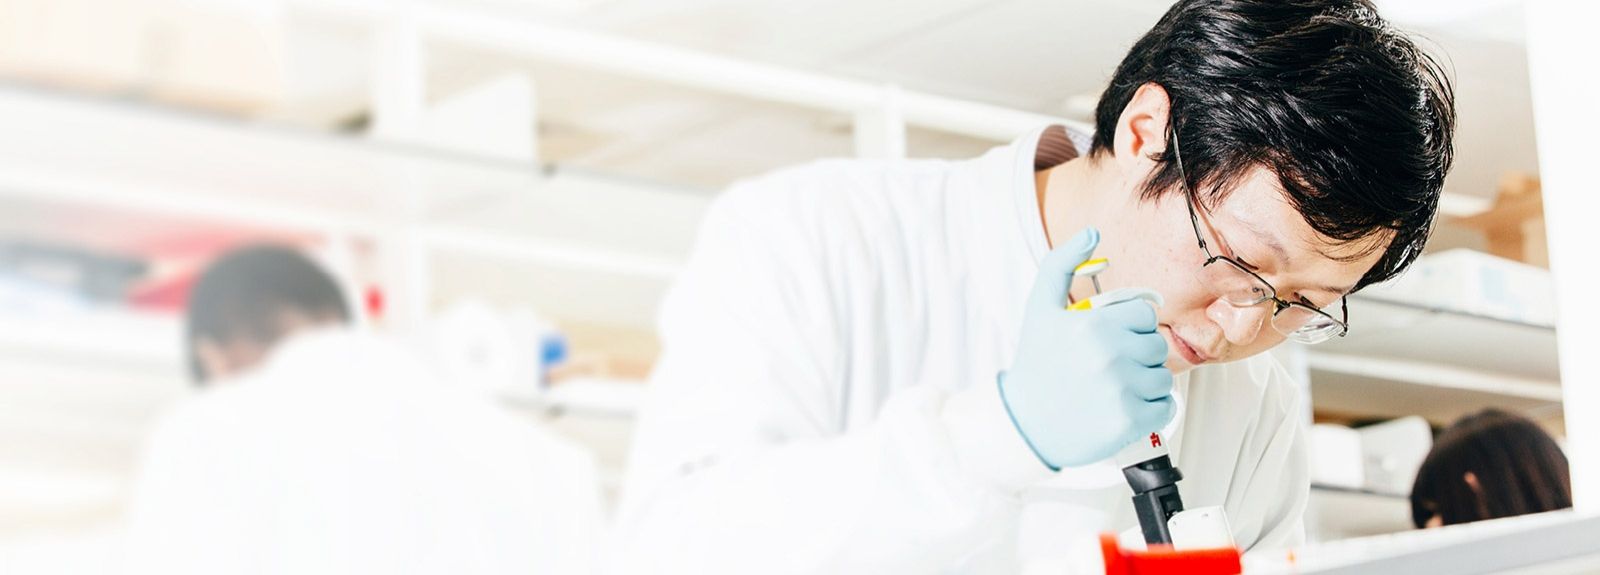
(1188, 191)
(1194, 219)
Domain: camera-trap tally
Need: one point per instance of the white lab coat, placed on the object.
(838, 327)
(341, 454)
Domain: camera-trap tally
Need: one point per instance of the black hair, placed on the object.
(1354, 119)
(1519, 470)
(245, 294)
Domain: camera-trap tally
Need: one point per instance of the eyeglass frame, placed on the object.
(1278, 304)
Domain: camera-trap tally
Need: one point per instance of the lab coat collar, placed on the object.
(1041, 149)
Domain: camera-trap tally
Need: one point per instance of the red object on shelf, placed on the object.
(166, 294)
(1162, 560)
(374, 301)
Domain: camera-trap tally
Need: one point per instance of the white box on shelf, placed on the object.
(1477, 283)
(1393, 451)
(1336, 456)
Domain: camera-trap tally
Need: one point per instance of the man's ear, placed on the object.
(1142, 130)
(213, 361)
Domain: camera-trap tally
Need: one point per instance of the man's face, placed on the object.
(1152, 244)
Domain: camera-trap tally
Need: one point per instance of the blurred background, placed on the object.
(530, 173)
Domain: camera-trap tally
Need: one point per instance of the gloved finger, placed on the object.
(1146, 383)
(1151, 416)
(1055, 271)
(1146, 349)
(1136, 315)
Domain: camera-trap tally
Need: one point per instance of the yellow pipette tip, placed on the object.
(1091, 268)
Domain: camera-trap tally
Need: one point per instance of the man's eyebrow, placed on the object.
(1281, 254)
(1322, 306)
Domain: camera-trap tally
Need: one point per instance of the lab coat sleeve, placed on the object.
(1281, 483)
(742, 461)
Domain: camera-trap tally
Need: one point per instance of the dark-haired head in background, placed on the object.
(250, 299)
(1489, 465)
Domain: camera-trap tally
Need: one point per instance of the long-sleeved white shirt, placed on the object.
(826, 398)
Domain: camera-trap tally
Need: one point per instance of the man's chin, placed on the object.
(1177, 365)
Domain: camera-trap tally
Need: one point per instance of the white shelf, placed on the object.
(135, 343)
(1403, 359)
(142, 158)
(120, 177)
(1443, 377)
(1321, 488)
(1339, 513)
(595, 396)
(76, 153)
(1378, 387)
(1549, 543)
(1388, 329)
(1384, 398)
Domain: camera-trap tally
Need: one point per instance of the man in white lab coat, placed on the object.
(866, 367)
(317, 448)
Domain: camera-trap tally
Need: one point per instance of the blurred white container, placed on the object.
(1201, 528)
(1393, 451)
(1474, 282)
(1382, 457)
(505, 354)
(1336, 456)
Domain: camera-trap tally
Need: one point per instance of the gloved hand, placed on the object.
(1085, 384)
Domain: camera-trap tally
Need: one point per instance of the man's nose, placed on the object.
(1240, 325)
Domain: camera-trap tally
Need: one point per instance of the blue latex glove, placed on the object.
(1085, 383)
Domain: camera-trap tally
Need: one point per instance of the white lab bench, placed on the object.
(1555, 543)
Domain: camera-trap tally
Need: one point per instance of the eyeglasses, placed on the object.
(1236, 284)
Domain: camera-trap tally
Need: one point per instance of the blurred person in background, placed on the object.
(316, 447)
(1489, 465)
